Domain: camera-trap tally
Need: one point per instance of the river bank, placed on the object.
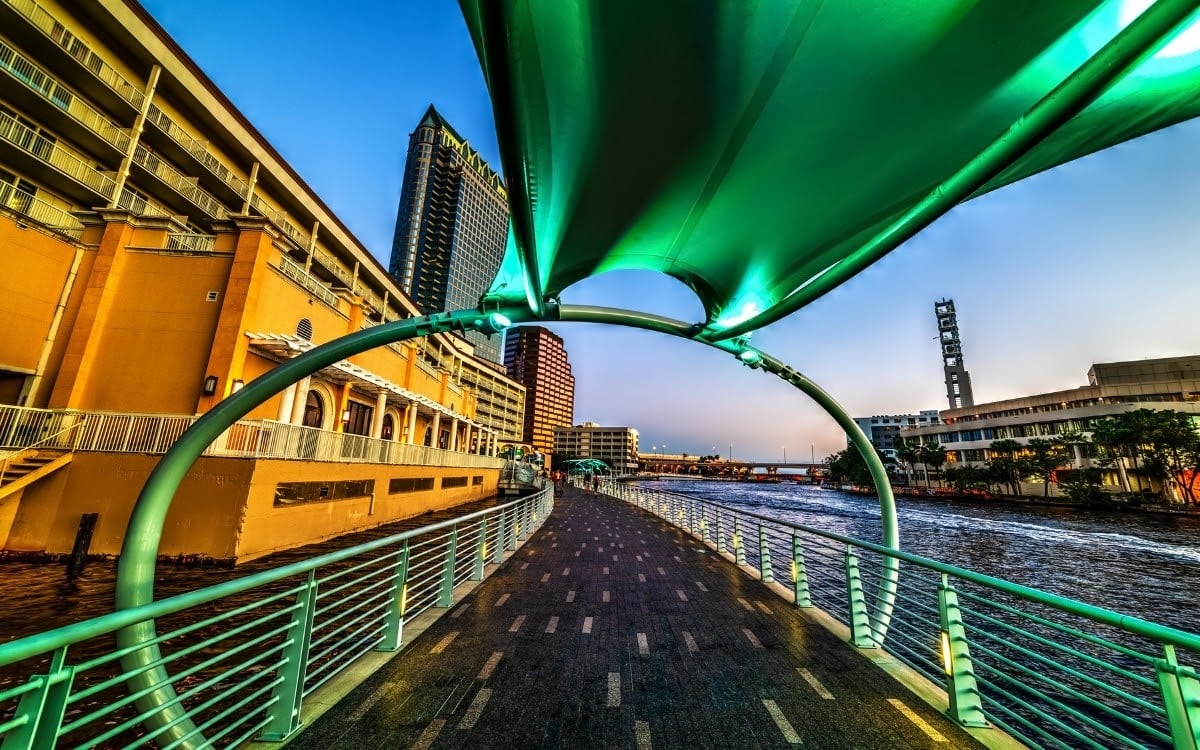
(1118, 503)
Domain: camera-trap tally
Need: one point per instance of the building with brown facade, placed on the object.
(536, 358)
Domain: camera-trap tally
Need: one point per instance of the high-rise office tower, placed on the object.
(958, 380)
(536, 358)
(452, 224)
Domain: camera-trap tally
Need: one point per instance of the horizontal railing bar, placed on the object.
(53, 639)
(34, 683)
(386, 578)
(348, 633)
(381, 564)
(14, 723)
(199, 728)
(373, 607)
(371, 639)
(237, 741)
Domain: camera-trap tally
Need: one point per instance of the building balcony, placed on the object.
(280, 221)
(142, 206)
(53, 42)
(186, 187)
(180, 144)
(197, 243)
(45, 161)
(44, 97)
(35, 209)
(294, 271)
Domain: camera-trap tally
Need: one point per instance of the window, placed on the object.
(314, 410)
(359, 422)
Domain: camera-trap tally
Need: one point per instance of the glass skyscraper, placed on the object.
(452, 225)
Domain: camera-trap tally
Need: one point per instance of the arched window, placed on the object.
(314, 410)
(389, 427)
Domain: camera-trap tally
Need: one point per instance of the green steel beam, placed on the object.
(1088, 82)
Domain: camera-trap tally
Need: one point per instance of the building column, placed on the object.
(412, 423)
(435, 430)
(467, 440)
(287, 404)
(492, 443)
(377, 417)
(454, 434)
(300, 402)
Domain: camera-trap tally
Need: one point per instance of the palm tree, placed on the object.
(933, 456)
(1046, 457)
(907, 452)
(1003, 461)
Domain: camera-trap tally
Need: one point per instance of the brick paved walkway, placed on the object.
(612, 629)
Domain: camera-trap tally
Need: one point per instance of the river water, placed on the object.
(1139, 564)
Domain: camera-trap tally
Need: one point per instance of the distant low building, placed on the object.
(615, 446)
(882, 429)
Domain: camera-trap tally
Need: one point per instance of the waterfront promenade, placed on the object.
(610, 628)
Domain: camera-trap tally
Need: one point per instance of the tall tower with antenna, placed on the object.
(958, 380)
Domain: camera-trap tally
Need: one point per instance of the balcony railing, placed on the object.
(196, 149)
(279, 220)
(196, 242)
(50, 152)
(46, 85)
(185, 186)
(121, 432)
(50, 216)
(294, 271)
(141, 205)
(46, 22)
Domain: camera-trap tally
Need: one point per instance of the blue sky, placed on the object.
(1096, 261)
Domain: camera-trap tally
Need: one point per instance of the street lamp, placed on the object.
(784, 447)
(731, 453)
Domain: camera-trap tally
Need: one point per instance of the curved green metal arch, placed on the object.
(139, 552)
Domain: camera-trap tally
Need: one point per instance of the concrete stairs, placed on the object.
(26, 469)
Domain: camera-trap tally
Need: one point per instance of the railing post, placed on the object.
(393, 620)
(860, 619)
(1180, 687)
(480, 551)
(284, 711)
(739, 545)
(720, 533)
(799, 575)
(764, 556)
(446, 594)
(965, 706)
(44, 707)
(498, 547)
(509, 530)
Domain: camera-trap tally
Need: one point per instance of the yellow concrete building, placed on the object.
(157, 255)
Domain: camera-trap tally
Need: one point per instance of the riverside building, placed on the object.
(536, 358)
(158, 254)
(451, 227)
(883, 429)
(615, 446)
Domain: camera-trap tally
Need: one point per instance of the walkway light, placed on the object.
(750, 358)
(492, 323)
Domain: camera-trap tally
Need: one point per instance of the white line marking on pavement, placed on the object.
(641, 731)
(638, 558)
(585, 544)
(587, 624)
(475, 709)
(489, 666)
(552, 546)
(577, 552)
(643, 644)
(691, 642)
(500, 602)
(621, 546)
(516, 624)
(785, 726)
(566, 571)
(442, 644)
(662, 572)
(677, 559)
(701, 586)
(614, 558)
(745, 604)
(920, 723)
(614, 689)
(570, 596)
(642, 577)
(429, 735)
(750, 636)
(764, 608)
(682, 596)
(816, 685)
(458, 612)
(606, 571)
(553, 625)
(545, 578)
(524, 566)
(371, 700)
(604, 597)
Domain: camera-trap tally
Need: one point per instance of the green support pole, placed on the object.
(1181, 695)
(720, 534)
(393, 623)
(284, 712)
(799, 576)
(860, 619)
(480, 551)
(764, 555)
(44, 706)
(739, 541)
(961, 688)
(446, 592)
(499, 546)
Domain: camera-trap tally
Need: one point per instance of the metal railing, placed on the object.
(50, 152)
(185, 186)
(49, 25)
(195, 242)
(1052, 672)
(242, 656)
(280, 220)
(141, 205)
(65, 434)
(50, 216)
(196, 148)
(294, 271)
(118, 432)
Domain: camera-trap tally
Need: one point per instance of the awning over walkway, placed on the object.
(764, 152)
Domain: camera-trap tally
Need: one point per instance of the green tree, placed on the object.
(933, 456)
(966, 478)
(1005, 465)
(1046, 457)
(1173, 453)
(848, 467)
(907, 452)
